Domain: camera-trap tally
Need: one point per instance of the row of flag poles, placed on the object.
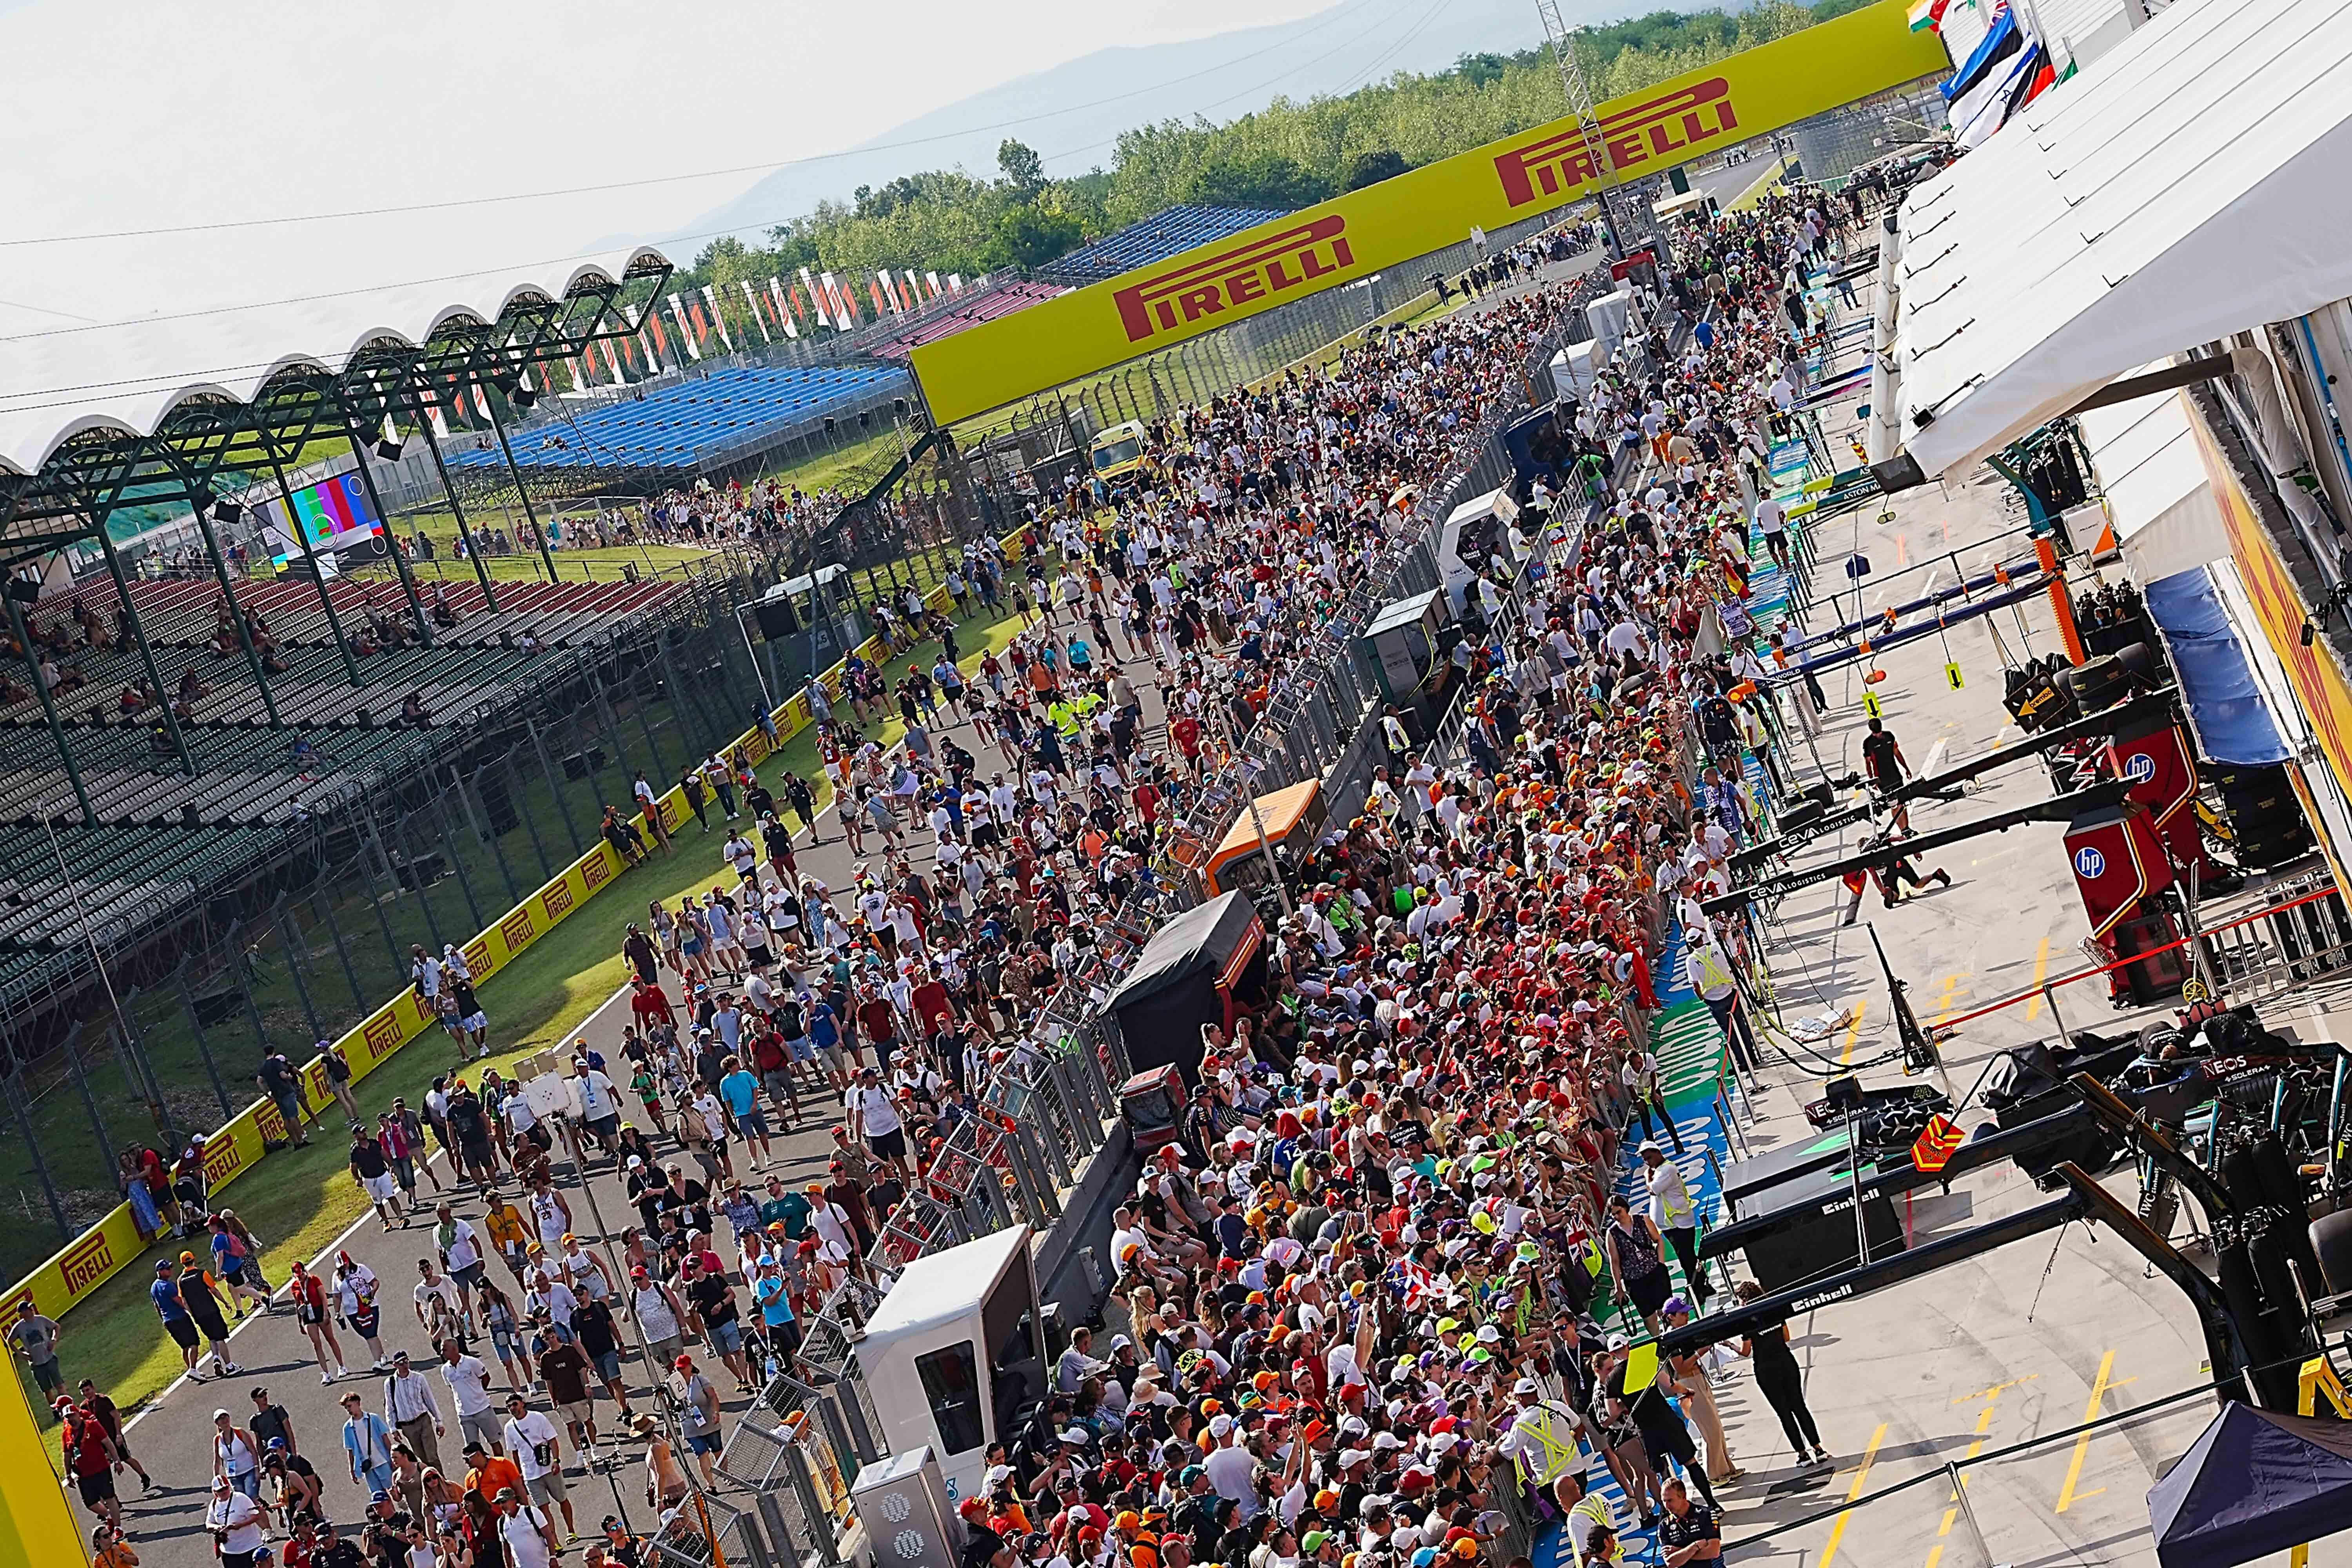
(700, 326)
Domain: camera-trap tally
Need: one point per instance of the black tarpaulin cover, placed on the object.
(2254, 1483)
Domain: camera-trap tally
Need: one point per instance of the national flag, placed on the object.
(1936, 1145)
(718, 316)
(1927, 14)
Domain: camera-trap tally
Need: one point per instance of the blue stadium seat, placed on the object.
(1154, 239)
(674, 426)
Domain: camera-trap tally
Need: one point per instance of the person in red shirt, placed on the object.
(651, 1003)
(89, 1454)
(1185, 731)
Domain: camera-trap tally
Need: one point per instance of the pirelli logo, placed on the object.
(517, 929)
(223, 1159)
(592, 874)
(1257, 271)
(557, 898)
(87, 1262)
(1666, 129)
(477, 955)
(381, 1036)
(270, 1123)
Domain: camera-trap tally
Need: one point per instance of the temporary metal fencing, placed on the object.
(1046, 1107)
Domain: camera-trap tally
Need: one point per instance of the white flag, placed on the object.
(777, 292)
(955, 283)
(678, 314)
(932, 279)
(710, 297)
(753, 300)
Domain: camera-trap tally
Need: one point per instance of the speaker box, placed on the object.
(498, 804)
(420, 873)
(777, 619)
(218, 1008)
(1800, 815)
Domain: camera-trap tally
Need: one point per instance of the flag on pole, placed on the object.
(718, 316)
(816, 299)
(758, 319)
(931, 279)
(433, 414)
(678, 314)
(955, 283)
(784, 307)
(482, 402)
(914, 290)
(844, 303)
(882, 304)
(759, 314)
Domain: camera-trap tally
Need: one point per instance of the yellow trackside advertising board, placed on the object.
(1354, 235)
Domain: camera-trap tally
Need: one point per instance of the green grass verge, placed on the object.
(306, 1197)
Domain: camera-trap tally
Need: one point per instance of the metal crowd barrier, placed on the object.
(1042, 1112)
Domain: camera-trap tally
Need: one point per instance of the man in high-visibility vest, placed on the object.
(1588, 1513)
(1709, 970)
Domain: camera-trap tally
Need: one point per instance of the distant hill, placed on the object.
(1088, 101)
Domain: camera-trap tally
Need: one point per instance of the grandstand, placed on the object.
(164, 845)
(998, 300)
(1151, 239)
(702, 426)
(246, 771)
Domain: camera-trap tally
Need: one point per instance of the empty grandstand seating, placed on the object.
(678, 426)
(1154, 239)
(335, 736)
(998, 301)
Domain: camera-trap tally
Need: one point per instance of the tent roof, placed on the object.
(2254, 1483)
(128, 378)
(2179, 190)
(1196, 941)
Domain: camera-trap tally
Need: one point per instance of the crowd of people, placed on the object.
(1390, 1268)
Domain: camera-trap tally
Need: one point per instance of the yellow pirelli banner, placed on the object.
(98, 1253)
(1352, 236)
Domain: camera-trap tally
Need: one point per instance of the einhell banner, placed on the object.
(1426, 209)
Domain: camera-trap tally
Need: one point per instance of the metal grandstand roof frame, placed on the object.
(208, 435)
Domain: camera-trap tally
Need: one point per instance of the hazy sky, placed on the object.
(143, 114)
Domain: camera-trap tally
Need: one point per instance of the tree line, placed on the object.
(1287, 155)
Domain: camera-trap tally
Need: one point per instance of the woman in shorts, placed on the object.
(693, 944)
(310, 1310)
(504, 1325)
(356, 1289)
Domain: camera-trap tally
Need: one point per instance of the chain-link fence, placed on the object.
(309, 930)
